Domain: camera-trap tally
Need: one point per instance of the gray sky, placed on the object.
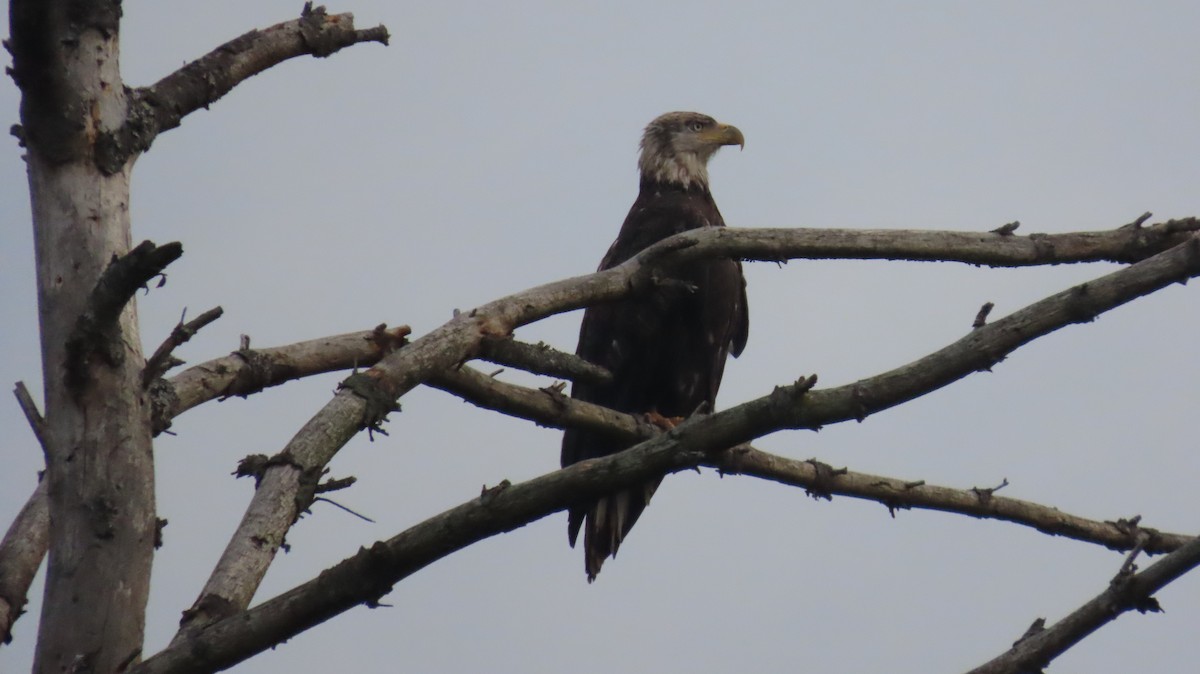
(492, 147)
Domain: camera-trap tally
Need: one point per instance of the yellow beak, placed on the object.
(724, 134)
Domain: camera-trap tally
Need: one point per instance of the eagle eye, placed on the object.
(696, 126)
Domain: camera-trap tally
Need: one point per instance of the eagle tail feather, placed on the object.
(609, 521)
(575, 517)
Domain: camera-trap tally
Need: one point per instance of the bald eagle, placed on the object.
(666, 349)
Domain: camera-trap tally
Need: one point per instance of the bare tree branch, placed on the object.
(29, 408)
(546, 406)
(24, 544)
(362, 403)
(371, 573)
(982, 248)
(202, 82)
(270, 367)
(274, 507)
(542, 359)
(341, 352)
(21, 554)
(823, 481)
(550, 408)
(248, 371)
(95, 331)
(84, 129)
(162, 360)
(243, 374)
(1126, 592)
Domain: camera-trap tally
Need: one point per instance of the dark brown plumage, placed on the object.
(666, 349)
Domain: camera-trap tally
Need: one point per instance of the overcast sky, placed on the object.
(492, 147)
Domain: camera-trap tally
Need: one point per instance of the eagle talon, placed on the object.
(665, 423)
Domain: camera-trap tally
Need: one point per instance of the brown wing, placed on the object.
(666, 350)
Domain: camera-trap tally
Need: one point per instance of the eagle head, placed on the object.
(676, 147)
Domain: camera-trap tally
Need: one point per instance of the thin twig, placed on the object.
(1007, 229)
(339, 505)
(981, 316)
(1137, 223)
(158, 364)
(542, 359)
(29, 408)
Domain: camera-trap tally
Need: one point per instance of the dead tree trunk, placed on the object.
(100, 470)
